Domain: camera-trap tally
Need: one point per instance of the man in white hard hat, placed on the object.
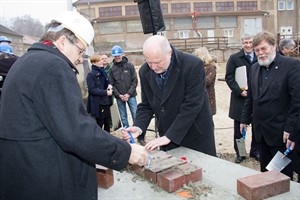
(48, 143)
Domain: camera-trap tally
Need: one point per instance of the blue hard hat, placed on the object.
(5, 48)
(116, 51)
(4, 39)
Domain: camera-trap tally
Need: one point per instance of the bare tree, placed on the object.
(27, 25)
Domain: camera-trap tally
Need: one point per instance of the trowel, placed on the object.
(279, 161)
(241, 143)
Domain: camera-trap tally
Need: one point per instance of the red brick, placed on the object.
(263, 185)
(151, 176)
(105, 177)
(192, 172)
(171, 180)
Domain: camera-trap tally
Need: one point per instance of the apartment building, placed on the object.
(118, 22)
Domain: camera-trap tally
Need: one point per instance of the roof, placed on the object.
(4, 30)
(97, 1)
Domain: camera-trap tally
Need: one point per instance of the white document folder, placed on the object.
(241, 77)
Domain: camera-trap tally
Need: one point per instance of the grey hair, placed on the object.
(286, 42)
(246, 36)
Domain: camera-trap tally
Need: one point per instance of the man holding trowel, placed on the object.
(272, 101)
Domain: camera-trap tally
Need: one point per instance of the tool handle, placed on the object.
(131, 138)
(244, 134)
(288, 150)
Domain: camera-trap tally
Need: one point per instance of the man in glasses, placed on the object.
(48, 143)
(273, 100)
(244, 58)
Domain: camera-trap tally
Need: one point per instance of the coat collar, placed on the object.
(172, 79)
(52, 49)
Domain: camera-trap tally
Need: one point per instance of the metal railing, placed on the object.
(190, 44)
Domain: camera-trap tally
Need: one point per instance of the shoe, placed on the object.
(255, 156)
(142, 142)
(239, 159)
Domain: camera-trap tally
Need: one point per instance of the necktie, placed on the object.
(249, 57)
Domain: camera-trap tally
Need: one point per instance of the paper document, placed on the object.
(241, 77)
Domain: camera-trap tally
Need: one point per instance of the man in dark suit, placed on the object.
(245, 57)
(173, 88)
(273, 99)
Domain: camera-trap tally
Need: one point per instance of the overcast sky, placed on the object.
(43, 10)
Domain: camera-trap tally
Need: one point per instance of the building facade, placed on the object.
(118, 22)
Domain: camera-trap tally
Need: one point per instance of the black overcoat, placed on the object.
(48, 143)
(274, 108)
(182, 110)
(236, 100)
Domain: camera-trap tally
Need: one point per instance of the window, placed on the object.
(182, 23)
(184, 34)
(203, 7)
(134, 26)
(110, 11)
(228, 33)
(164, 8)
(290, 5)
(180, 8)
(162, 33)
(111, 27)
(205, 22)
(246, 5)
(225, 6)
(281, 5)
(131, 10)
(227, 21)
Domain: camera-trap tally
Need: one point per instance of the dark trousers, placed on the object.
(268, 152)
(237, 135)
(104, 118)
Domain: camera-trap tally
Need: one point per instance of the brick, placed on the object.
(157, 166)
(192, 172)
(105, 177)
(171, 180)
(263, 185)
(151, 176)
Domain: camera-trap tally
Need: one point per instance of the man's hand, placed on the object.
(243, 126)
(244, 93)
(289, 143)
(285, 136)
(135, 132)
(161, 141)
(139, 155)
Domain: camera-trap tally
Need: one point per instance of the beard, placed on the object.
(267, 61)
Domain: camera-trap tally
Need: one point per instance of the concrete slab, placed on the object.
(219, 175)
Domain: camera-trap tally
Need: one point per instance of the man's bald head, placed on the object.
(158, 52)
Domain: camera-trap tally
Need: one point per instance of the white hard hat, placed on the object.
(80, 26)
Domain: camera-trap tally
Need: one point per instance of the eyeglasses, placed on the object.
(81, 51)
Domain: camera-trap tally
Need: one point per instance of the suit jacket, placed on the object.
(182, 110)
(274, 108)
(236, 100)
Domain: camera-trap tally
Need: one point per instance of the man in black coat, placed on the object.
(48, 143)
(173, 88)
(272, 101)
(245, 57)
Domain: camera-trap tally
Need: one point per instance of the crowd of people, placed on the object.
(62, 131)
